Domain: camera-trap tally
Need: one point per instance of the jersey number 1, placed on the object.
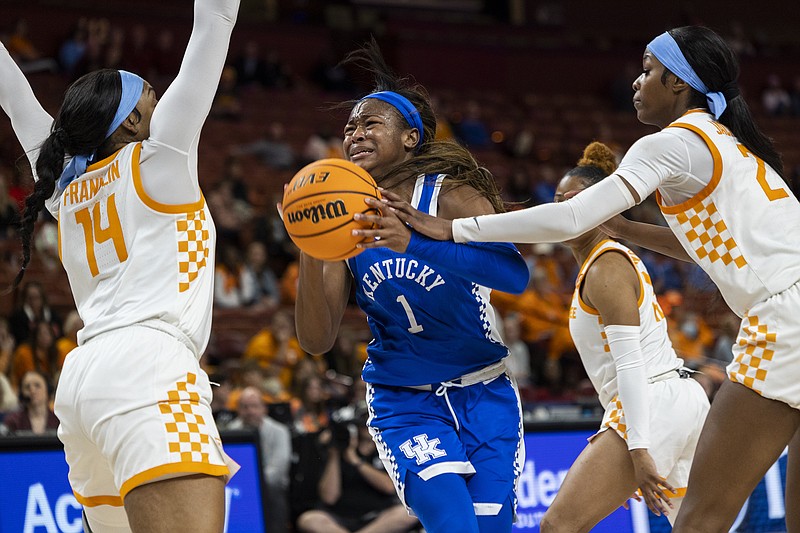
(415, 328)
(93, 233)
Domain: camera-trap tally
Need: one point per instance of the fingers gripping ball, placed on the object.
(319, 204)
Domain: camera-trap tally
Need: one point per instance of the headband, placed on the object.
(132, 86)
(406, 108)
(669, 54)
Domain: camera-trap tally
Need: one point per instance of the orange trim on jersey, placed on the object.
(94, 501)
(587, 265)
(187, 468)
(104, 162)
(705, 191)
(150, 202)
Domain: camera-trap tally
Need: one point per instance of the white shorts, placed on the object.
(678, 409)
(766, 355)
(134, 407)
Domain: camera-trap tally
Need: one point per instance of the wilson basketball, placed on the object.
(319, 204)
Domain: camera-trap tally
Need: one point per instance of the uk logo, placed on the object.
(424, 450)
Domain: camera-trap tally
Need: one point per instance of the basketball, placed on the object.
(319, 204)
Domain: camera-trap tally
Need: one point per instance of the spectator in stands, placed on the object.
(309, 407)
(139, 51)
(33, 309)
(272, 148)
(278, 75)
(276, 455)
(276, 348)
(355, 492)
(9, 215)
(233, 172)
(229, 290)
(69, 339)
(329, 75)
(38, 353)
(227, 104)
(775, 98)
(517, 191)
(34, 415)
(794, 96)
(250, 66)
(73, 48)
(223, 414)
(46, 243)
(8, 398)
(230, 213)
(471, 129)
(322, 144)
(25, 52)
(519, 358)
(259, 283)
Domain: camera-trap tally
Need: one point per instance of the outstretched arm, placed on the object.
(31, 123)
(181, 112)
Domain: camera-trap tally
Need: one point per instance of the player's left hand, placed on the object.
(388, 230)
(654, 488)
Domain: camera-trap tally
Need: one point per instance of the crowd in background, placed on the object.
(296, 400)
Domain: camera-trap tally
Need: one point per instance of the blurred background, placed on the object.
(525, 84)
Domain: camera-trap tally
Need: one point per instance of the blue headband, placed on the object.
(669, 54)
(406, 108)
(132, 86)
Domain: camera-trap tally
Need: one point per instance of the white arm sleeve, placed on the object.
(549, 222)
(631, 382)
(183, 109)
(169, 156)
(31, 123)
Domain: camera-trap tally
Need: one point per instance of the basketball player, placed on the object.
(438, 390)
(653, 414)
(137, 242)
(718, 181)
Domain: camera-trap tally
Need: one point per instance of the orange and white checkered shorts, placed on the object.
(134, 407)
(678, 409)
(766, 354)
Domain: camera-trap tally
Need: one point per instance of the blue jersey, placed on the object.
(429, 325)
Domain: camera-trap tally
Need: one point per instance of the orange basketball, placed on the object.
(319, 204)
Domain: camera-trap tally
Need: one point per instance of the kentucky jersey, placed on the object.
(587, 328)
(428, 324)
(132, 258)
(742, 227)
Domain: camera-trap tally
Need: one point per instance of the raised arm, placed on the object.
(31, 123)
(181, 112)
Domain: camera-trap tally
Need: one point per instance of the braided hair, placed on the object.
(79, 128)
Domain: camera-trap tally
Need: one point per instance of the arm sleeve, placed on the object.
(183, 109)
(498, 266)
(554, 222)
(631, 382)
(31, 123)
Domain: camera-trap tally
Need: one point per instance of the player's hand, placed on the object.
(433, 227)
(388, 230)
(655, 489)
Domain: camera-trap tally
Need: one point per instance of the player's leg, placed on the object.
(793, 486)
(317, 521)
(599, 481)
(743, 436)
(442, 503)
(395, 519)
(191, 503)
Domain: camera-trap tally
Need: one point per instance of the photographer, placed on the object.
(356, 493)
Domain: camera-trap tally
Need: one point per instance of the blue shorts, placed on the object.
(475, 431)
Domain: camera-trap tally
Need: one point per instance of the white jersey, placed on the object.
(587, 329)
(132, 258)
(740, 226)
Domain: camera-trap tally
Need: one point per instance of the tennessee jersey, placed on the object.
(740, 227)
(131, 258)
(587, 328)
(428, 325)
